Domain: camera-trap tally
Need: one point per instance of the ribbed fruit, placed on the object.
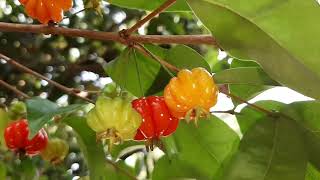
(46, 10)
(16, 137)
(114, 119)
(189, 91)
(56, 151)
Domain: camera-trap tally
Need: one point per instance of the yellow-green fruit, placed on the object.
(56, 151)
(4, 120)
(114, 115)
(17, 110)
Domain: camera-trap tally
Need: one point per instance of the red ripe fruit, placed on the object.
(16, 137)
(156, 118)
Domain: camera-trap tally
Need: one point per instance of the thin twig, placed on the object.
(13, 89)
(23, 68)
(146, 52)
(150, 16)
(128, 154)
(67, 17)
(239, 99)
(121, 170)
(232, 112)
(108, 36)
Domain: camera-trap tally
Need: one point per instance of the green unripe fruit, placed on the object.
(4, 120)
(55, 151)
(114, 119)
(17, 110)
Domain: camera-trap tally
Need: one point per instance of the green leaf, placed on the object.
(4, 120)
(41, 111)
(171, 149)
(212, 57)
(144, 76)
(272, 150)
(186, 57)
(99, 168)
(120, 175)
(220, 66)
(180, 5)
(178, 170)
(26, 168)
(125, 147)
(3, 170)
(307, 115)
(248, 117)
(272, 33)
(93, 151)
(243, 63)
(247, 91)
(205, 149)
(245, 82)
(312, 173)
(244, 75)
(134, 72)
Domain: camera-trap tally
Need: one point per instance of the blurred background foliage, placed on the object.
(74, 62)
(67, 60)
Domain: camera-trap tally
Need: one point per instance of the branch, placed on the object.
(146, 52)
(157, 11)
(258, 108)
(232, 112)
(108, 36)
(23, 68)
(68, 17)
(128, 154)
(15, 90)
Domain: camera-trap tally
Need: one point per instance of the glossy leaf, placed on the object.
(144, 76)
(41, 111)
(220, 66)
(212, 57)
(93, 151)
(312, 173)
(202, 151)
(246, 91)
(307, 115)
(3, 170)
(170, 145)
(244, 75)
(243, 63)
(180, 5)
(26, 168)
(134, 72)
(125, 147)
(248, 117)
(273, 149)
(4, 120)
(186, 57)
(120, 175)
(270, 32)
(178, 170)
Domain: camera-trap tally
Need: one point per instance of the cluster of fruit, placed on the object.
(188, 96)
(16, 138)
(46, 11)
